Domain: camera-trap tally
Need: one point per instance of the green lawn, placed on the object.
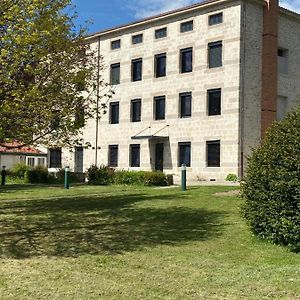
(136, 243)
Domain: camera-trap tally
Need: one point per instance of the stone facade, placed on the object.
(240, 80)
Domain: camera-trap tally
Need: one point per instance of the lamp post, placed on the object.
(3, 175)
(67, 186)
(183, 177)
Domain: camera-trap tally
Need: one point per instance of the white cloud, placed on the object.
(291, 5)
(146, 8)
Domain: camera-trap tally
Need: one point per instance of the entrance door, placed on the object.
(159, 157)
(79, 160)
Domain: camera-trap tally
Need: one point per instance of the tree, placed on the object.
(272, 184)
(48, 74)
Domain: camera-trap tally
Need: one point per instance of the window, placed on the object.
(137, 39)
(135, 150)
(136, 107)
(215, 19)
(213, 153)
(184, 154)
(186, 60)
(55, 122)
(161, 33)
(30, 161)
(186, 26)
(214, 102)
(41, 161)
(114, 74)
(160, 65)
(159, 107)
(55, 158)
(113, 155)
(136, 69)
(215, 54)
(185, 100)
(114, 113)
(115, 44)
(282, 104)
(283, 61)
(79, 116)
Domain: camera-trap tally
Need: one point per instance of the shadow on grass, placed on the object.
(100, 225)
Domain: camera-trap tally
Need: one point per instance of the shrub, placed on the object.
(73, 177)
(154, 178)
(232, 178)
(272, 185)
(38, 174)
(100, 176)
(19, 170)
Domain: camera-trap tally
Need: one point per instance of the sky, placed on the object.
(110, 13)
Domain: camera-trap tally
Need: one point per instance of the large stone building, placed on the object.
(199, 85)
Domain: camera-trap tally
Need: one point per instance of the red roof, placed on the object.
(16, 147)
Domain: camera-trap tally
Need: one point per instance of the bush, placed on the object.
(73, 177)
(19, 170)
(38, 174)
(100, 176)
(154, 178)
(272, 185)
(232, 178)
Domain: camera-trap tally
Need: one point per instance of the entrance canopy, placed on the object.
(147, 135)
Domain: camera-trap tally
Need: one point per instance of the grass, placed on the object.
(136, 243)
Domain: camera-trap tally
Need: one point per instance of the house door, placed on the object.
(79, 159)
(159, 157)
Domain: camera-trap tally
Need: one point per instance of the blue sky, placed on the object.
(110, 13)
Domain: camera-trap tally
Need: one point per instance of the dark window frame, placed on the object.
(212, 162)
(112, 80)
(113, 161)
(183, 52)
(133, 77)
(160, 30)
(158, 115)
(135, 163)
(114, 119)
(210, 110)
(211, 46)
(133, 118)
(215, 19)
(115, 42)
(182, 112)
(184, 26)
(55, 161)
(157, 57)
(135, 39)
(181, 161)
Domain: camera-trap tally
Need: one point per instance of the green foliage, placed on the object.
(73, 177)
(272, 185)
(100, 176)
(154, 179)
(19, 170)
(232, 178)
(38, 174)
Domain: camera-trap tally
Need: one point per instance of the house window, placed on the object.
(136, 108)
(282, 104)
(30, 161)
(213, 153)
(215, 19)
(55, 158)
(136, 69)
(215, 54)
(214, 102)
(41, 161)
(186, 26)
(184, 150)
(159, 107)
(137, 39)
(115, 44)
(160, 65)
(114, 113)
(79, 119)
(186, 60)
(185, 105)
(283, 61)
(115, 74)
(113, 155)
(161, 33)
(135, 151)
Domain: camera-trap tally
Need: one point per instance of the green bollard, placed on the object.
(3, 175)
(183, 177)
(67, 185)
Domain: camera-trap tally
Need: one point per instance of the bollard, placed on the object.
(3, 175)
(67, 186)
(183, 177)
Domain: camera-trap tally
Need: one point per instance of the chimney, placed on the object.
(269, 65)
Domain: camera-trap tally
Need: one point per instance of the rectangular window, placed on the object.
(79, 119)
(160, 65)
(41, 161)
(159, 107)
(55, 158)
(213, 153)
(283, 61)
(113, 155)
(184, 150)
(30, 161)
(186, 26)
(215, 19)
(136, 108)
(115, 74)
(161, 33)
(136, 69)
(214, 102)
(185, 105)
(114, 113)
(137, 39)
(186, 60)
(135, 151)
(282, 105)
(215, 54)
(115, 44)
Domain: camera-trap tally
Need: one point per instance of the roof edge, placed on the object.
(289, 12)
